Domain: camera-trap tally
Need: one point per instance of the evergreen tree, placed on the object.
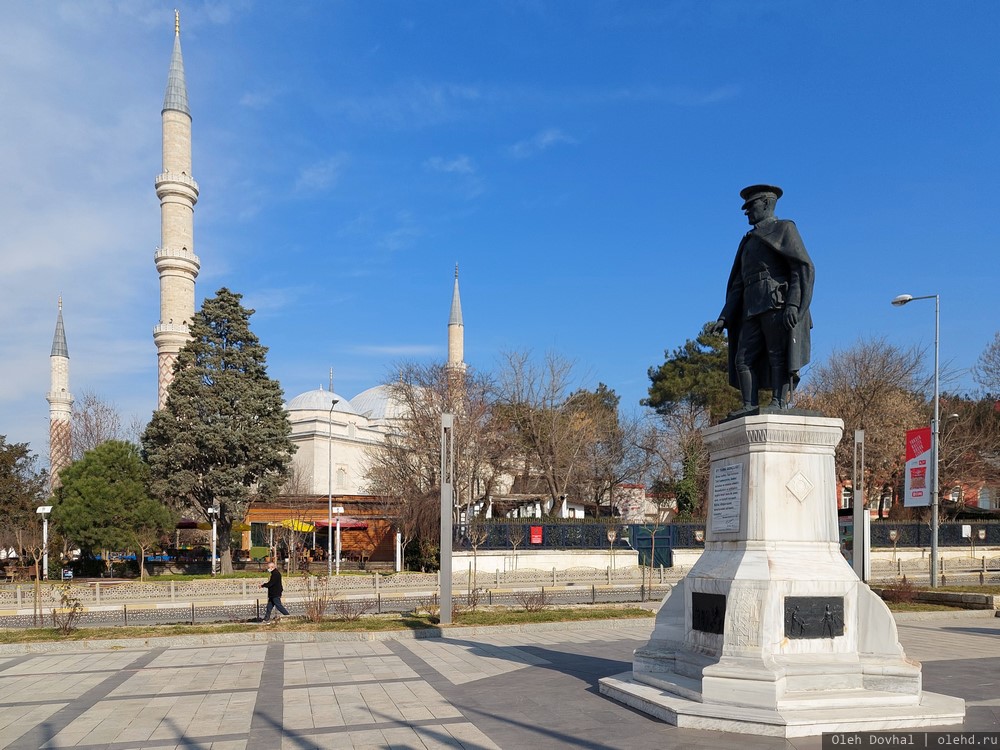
(695, 375)
(222, 440)
(690, 391)
(103, 504)
(22, 489)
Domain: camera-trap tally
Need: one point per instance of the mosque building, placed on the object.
(333, 434)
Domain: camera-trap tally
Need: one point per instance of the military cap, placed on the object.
(755, 191)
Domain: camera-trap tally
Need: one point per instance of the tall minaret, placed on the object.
(178, 192)
(456, 331)
(60, 405)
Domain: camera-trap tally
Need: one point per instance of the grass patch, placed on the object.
(971, 589)
(500, 616)
(923, 607)
(371, 623)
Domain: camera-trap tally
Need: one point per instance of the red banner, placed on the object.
(916, 491)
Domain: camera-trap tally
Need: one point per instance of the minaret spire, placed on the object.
(176, 262)
(60, 404)
(456, 331)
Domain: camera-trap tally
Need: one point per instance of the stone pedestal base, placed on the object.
(771, 632)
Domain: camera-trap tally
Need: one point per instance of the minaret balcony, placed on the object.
(176, 184)
(178, 260)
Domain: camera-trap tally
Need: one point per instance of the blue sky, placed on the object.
(581, 161)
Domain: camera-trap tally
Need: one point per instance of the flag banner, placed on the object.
(917, 490)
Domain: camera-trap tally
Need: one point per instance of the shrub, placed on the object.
(532, 601)
(66, 616)
(900, 592)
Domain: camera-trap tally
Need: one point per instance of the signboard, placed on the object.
(536, 535)
(727, 492)
(916, 486)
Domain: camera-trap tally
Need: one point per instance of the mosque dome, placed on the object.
(319, 400)
(378, 404)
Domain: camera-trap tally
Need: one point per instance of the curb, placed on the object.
(269, 636)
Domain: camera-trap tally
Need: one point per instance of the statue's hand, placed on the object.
(718, 326)
(791, 318)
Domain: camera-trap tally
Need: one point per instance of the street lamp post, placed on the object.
(43, 511)
(214, 513)
(899, 301)
(329, 498)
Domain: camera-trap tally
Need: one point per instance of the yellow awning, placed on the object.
(292, 524)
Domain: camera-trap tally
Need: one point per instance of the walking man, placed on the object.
(274, 592)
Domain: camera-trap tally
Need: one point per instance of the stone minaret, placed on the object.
(456, 332)
(60, 405)
(178, 192)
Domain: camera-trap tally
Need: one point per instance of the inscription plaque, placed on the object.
(708, 612)
(814, 616)
(727, 488)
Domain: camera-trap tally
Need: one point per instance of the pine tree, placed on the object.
(103, 504)
(222, 440)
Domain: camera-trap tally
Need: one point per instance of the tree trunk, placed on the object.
(225, 562)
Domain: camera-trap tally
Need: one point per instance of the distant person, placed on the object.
(767, 304)
(274, 592)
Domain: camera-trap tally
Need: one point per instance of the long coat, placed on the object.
(783, 237)
(273, 585)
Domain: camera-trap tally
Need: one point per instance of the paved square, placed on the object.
(509, 689)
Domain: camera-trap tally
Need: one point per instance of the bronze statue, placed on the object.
(767, 304)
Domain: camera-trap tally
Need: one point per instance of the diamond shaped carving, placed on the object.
(799, 486)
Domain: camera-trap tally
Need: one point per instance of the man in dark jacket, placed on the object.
(767, 304)
(274, 592)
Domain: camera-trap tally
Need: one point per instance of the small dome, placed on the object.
(377, 404)
(319, 400)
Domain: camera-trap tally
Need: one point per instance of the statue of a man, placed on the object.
(767, 304)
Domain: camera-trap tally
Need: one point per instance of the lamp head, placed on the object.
(902, 299)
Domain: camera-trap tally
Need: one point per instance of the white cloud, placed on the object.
(457, 165)
(541, 141)
(322, 175)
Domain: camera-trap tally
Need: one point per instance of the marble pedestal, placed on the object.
(771, 632)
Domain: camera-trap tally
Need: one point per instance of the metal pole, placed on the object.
(338, 544)
(447, 507)
(936, 432)
(215, 538)
(329, 499)
(45, 547)
(858, 493)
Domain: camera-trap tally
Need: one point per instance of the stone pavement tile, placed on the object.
(16, 720)
(461, 661)
(178, 656)
(158, 718)
(47, 686)
(223, 677)
(340, 649)
(74, 663)
(321, 671)
(950, 639)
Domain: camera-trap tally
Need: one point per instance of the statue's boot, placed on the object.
(781, 388)
(748, 392)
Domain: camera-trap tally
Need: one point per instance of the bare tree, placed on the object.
(969, 454)
(680, 459)
(987, 368)
(556, 429)
(404, 469)
(96, 421)
(877, 387)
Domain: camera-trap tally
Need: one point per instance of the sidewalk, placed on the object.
(506, 688)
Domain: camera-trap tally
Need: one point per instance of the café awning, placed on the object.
(346, 522)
